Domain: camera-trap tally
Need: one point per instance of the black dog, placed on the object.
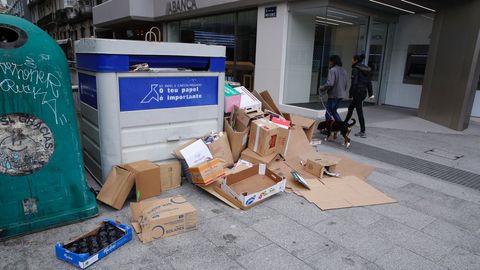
(332, 126)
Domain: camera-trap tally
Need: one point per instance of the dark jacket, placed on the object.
(361, 83)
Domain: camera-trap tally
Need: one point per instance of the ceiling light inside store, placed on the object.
(341, 13)
(395, 7)
(420, 6)
(333, 20)
(325, 22)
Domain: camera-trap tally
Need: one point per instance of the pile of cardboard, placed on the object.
(282, 144)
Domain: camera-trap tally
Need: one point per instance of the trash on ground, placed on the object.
(94, 245)
(159, 218)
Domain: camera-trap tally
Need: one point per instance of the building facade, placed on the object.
(283, 46)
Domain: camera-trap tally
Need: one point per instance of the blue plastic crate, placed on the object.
(84, 260)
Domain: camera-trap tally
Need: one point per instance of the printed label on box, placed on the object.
(146, 93)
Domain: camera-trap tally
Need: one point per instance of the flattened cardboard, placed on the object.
(117, 187)
(170, 174)
(207, 172)
(253, 185)
(160, 218)
(307, 124)
(263, 137)
(147, 179)
(255, 158)
(238, 140)
(220, 149)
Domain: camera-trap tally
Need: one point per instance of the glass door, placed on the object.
(376, 55)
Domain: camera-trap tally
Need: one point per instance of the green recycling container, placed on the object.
(42, 178)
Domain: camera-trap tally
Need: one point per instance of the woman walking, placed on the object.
(361, 86)
(336, 87)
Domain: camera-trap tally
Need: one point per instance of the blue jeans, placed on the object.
(331, 110)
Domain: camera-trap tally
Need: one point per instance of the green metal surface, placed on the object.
(42, 180)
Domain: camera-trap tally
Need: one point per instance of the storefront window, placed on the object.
(313, 36)
(236, 31)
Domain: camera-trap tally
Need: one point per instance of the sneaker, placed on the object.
(361, 134)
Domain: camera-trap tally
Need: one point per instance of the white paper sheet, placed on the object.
(196, 153)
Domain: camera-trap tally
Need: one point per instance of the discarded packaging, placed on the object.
(117, 187)
(94, 245)
(263, 137)
(170, 174)
(237, 139)
(248, 101)
(219, 146)
(159, 218)
(232, 98)
(207, 172)
(147, 179)
(253, 185)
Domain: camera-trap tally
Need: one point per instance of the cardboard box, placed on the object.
(117, 187)
(232, 98)
(255, 158)
(220, 149)
(207, 172)
(248, 101)
(84, 260)
(318, 165)
(170, 174)
(263, 137)
(253, 185)
(237, 139)
(307, 124)
(241, 118)
(147, 179)
(160, 218)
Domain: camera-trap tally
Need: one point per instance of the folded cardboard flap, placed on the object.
(243, 118)
(117, 187)
(255, 158)
(220, 149)
(160, 218)
(238, 140)
(307, 124)
(147, 179)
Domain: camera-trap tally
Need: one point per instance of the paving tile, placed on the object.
(386, 180)
(297, 208)
(232, 237)
(458, 217)
(192, 251)
(271, 257)
(411, 239)
(433, 195)
(358, 239)
(454, 235)
(292, 236)
(336, 257)
(357, 215)
(398, 194)
(402, 259)
(403, 214)
(461, 259)
(254, 215)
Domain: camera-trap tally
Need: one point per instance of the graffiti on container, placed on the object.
(28, 79)
(26, 144)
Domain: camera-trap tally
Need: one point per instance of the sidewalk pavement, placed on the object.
(435, 224)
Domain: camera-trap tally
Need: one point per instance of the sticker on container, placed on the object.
(26, 144)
